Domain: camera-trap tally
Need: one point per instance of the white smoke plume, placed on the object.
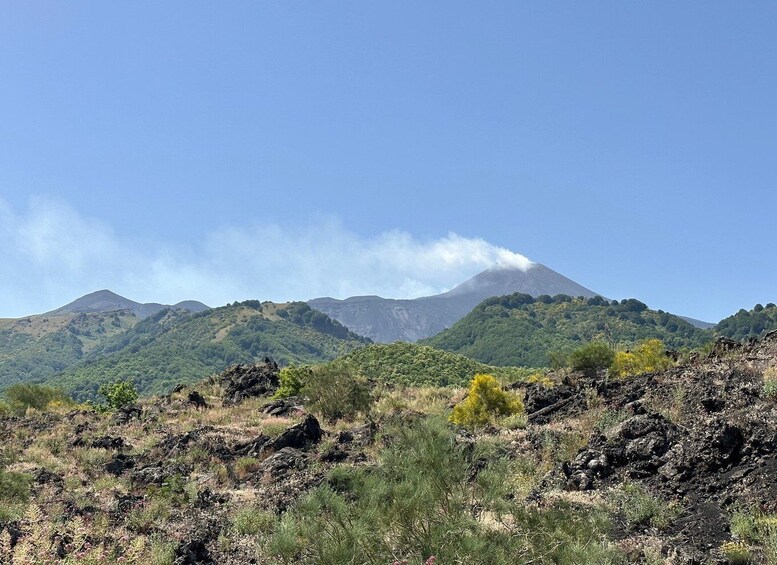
(51, 254)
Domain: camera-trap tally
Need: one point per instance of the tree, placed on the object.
(336, 391)
(119, 394)
(592, 358)
(20, 397)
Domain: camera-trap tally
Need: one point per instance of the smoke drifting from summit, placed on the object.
(53, 254)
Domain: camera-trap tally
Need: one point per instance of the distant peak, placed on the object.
(104, 293)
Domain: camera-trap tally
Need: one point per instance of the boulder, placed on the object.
(245, 381)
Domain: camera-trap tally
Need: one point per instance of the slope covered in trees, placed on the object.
(413, 364)
(749, 323)
(173, 347)
(38, 347)
(521, 330)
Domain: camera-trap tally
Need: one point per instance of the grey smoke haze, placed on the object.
(51, 254)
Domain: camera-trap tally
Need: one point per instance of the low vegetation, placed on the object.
(324, 464)
(413, 364)
(19, 398)
(485, 401)
(417, 503)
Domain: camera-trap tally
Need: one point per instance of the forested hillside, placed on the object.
(749, 323)
(413, 364)
(521, 330)
(178, 347)
(38, 347)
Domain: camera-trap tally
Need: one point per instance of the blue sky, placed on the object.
(285, 150)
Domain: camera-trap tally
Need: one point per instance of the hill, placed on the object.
(385, 320)
(107, 301)
(38, 347)
(521, 330)
(413, 364)
(749, 323)
(173, 346)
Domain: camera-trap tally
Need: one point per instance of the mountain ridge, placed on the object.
(108, 301)
(385, 320)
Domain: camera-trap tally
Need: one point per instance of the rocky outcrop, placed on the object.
(246, 381)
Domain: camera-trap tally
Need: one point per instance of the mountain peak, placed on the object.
(108, 301)
(534, 279)
(386, 320)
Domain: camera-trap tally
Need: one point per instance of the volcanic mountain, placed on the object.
(107, 301)
(385, 320)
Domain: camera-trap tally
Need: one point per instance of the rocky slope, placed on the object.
(672, 467)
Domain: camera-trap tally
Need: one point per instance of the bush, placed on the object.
(648, 356)
(770, 383)
(20, 397)
(119, 394)
(418, 502)
(643, 509)
(292, 380)
(336, 392)
(736, 553)
(253, 521)
(14, 493)
(485, 400)
(592, 358)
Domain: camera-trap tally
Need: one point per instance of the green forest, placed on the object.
(175, 347)
(521, 330)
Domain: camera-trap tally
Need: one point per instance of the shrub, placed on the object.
(336, 392)
(292, 380)
(736, 552)
(245, 466)
(770, 383)
(485, 400)
(541, 378)
(418, 502)
(592, 358)
(119, 394)
(14, 493)
(558, 359)
(20, 397)
(252, 521)
(648, 356)
(643, 509)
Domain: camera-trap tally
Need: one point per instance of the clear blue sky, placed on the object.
(631, 146)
